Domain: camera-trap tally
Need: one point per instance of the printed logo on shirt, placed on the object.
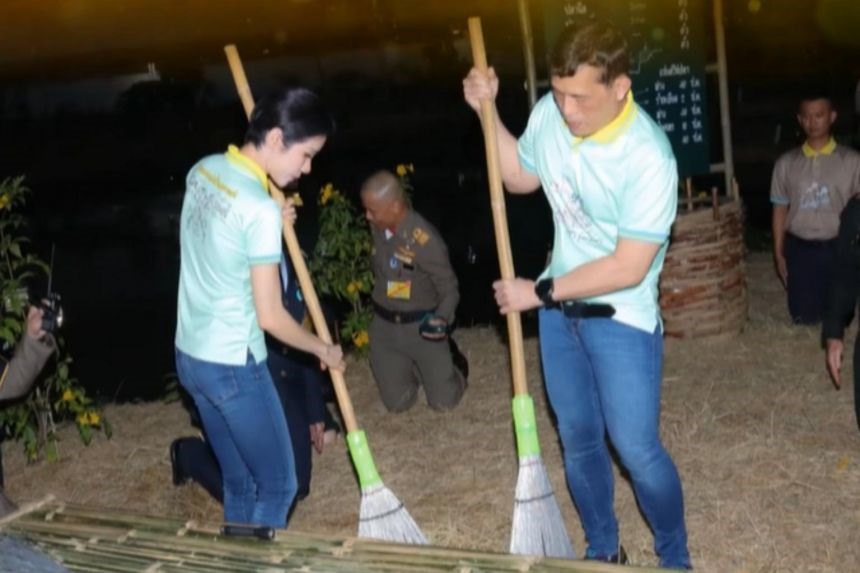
(205, 203)
(814, 197)
(567, 207)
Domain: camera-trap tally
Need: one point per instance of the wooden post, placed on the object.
(528, 50)
(736, 192)
(723, 81)
(689, 189)
(715, 202)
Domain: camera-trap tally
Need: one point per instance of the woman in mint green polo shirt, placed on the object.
(230, 292)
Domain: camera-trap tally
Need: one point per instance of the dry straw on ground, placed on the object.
(768, 452)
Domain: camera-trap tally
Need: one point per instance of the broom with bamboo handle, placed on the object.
(381, 514)
(538, 527)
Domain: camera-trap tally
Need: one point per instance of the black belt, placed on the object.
(578, 309)
(400, 317)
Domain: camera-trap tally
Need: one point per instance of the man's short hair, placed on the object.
(814, 94)
(597, 44)
(385, 185)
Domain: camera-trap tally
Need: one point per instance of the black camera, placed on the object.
(52, 313)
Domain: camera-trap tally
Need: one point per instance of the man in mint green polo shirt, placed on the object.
(610, 177)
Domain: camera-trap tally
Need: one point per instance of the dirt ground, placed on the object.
(768, 451)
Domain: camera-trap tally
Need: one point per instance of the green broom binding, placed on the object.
(538, 528)
(381, 514)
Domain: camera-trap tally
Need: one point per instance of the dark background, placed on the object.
(105, 147)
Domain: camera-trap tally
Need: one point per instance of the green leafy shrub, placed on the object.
(57, 395)
(341, 264)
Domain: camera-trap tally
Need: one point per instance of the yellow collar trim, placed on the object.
(610, 132)
(239, 158)
(826, 150)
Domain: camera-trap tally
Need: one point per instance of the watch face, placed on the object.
(543, 289)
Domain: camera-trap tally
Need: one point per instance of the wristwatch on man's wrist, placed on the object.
(543, 290)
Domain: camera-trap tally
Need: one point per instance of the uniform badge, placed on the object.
(400, 290)
(420, 235)
(405, 259)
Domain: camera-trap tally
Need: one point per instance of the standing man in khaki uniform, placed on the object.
(811, 185)
(414, 298)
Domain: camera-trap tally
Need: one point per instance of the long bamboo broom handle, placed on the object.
(295, 251)
(497, 201)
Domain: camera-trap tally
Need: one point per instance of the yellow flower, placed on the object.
(68, 396)
(360, 338)
(401, 170)
(326, 193)
(4, 200)
(350, 288)
(91, 418)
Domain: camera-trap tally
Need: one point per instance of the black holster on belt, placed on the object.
(404, 317)
(579, 309)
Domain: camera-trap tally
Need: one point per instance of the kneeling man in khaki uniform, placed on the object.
(414, 298)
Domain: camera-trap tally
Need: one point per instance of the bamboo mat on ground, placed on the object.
(95, 540)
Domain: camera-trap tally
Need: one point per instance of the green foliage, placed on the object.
(57, 395)
(341, 263)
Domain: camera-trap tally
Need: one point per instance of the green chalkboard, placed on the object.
(667, 52)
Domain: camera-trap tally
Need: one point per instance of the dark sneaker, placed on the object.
(619, 558)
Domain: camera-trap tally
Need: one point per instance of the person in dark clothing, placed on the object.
(842, 300)
(299, 382)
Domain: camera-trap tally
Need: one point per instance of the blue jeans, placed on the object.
(603, 377)
(245, 425)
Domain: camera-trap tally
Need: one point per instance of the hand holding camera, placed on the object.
(45, 317)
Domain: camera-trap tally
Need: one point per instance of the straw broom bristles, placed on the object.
(381, 515)
(538, 527)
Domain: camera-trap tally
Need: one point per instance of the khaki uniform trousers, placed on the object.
(402, 361)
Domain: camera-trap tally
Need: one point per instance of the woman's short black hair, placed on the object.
(298, 112)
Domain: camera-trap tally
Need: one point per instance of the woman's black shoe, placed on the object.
(179, 476)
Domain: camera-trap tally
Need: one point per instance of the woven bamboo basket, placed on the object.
(703, 287)
(96, 540)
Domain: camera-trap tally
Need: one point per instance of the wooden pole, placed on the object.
(528, 50)
(295, 251)
(500, 219)
(689, 189)
(723, 82)
(715, 202)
